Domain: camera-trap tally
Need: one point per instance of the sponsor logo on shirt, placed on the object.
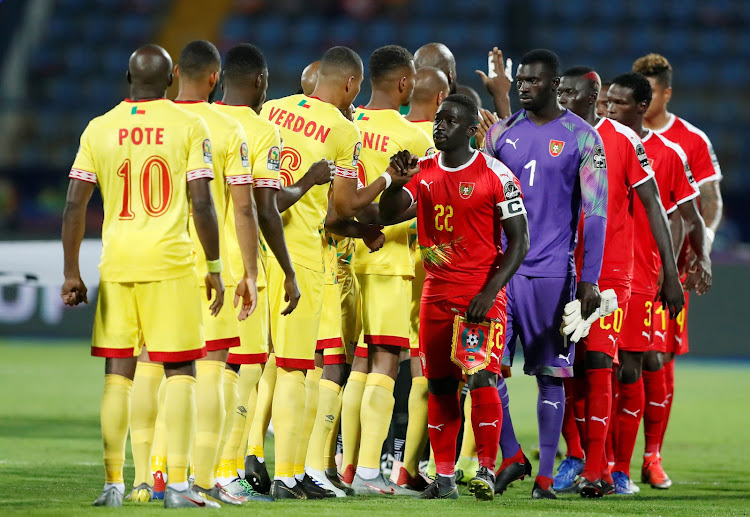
(689, 174)
(556, 147)
(600, 162)
(244, 155)
(640, 152)
(465, 189)
(355, 155)
(511, 191)
(274, 154)
(207, 151)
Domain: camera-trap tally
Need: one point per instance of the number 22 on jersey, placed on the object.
(155, 187)
(442, 218)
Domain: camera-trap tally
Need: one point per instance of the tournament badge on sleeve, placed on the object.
(472, 344)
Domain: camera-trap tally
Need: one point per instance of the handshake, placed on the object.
(577, 328)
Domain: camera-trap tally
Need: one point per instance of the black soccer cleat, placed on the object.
(511, 473)
(257, 475)
(441, 488)
(280, 491)
(312, 490)
(539, 493)
(592, 489)
(483, 485)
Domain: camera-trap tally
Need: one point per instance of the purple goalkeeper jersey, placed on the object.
(561, 167)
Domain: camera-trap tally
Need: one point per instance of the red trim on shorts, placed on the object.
(112, 353)
(177, 357)
(300, 364)
(402, 342)
(331, 342)
(361, 351)
(261, 358)
(334, 359)
(414, 352)
(212, 345)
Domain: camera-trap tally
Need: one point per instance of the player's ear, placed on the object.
(667, 94)
(213, 79)
(258, 81)
(439, 98)
(349, 83)
(127, 76)
(472, 130)
(176, 70)
(555, 82)
(170, 80)
(402, 84)
(642, 107)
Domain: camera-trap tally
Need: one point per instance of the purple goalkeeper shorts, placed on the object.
(535, 310)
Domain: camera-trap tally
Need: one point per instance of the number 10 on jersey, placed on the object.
(155, 187)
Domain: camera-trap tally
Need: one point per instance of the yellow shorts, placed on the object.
(338, 355)
(351, 320)
(253, 347)
(417, 284)
(221, 332)
(166, 315)
(386, 310)
(294, 336)
(329, 333)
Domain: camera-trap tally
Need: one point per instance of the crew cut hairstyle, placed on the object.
(469, 107)
(587, 73)
(197, 58)
(544, 56)
(636, 82)
(243, 60)
(388, 59)
(341, 60)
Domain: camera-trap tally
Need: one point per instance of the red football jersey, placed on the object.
(697, 147)
(459, 221)
(627, 167)
(676, 186)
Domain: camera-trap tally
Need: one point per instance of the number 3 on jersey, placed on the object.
(442, 217)
(156, 187)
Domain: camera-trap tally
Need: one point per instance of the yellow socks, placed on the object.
(262, 416)
(468, 445)
(159, 447)
(230, 408)
(145, 403)
(249, 378)
(329, 456)
(180, 416)
(351, 407)
(325, 417)
(209, 376)
(375, 418)
(115, 416)
(416, 429)
(312, 382)
(288, 404)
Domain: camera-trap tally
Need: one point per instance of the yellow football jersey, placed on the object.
(330, 258)
(384, 133)
(142, 154)
(264, 151)
(230, 159)
(426, 126)
(311, 130)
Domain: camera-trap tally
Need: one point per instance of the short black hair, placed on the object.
(340, 59)
(197, 58)
(243, 60)
(388, 59)
(657, 66)
(544, 56)
(588, 73)
(636, 82)
(469, 107)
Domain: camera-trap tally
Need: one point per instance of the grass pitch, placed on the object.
(50, 446)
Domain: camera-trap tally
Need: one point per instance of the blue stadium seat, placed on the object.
(344, 31)
(712, 43)
(307, 32)
(675, 42)
(272, 32)
(236, 29)
(134, 30)
(419, 33)
(384, 32)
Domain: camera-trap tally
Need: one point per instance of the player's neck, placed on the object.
(546, 114)
(455, 158)
(639, 128)
(145, 94)
(234, 98)
(658, 121)
(383, 100)
(190, 92)
(331, 95)
(591, 117)
(419, 113)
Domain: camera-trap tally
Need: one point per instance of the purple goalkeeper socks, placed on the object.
(508, 443)
(550, 409)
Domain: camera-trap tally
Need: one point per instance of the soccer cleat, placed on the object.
(567, 472)
(257, 475)
(160, 485)
(511, 473)
(635, 488)
(406, 480)
(186, 499)
(319, 478)
(380, 486)
(653, 474)
(143, 493)
(622, 483)
(431, 469)
(446, 489)
(241, 488)
(348, 476)
(110, 497)
(540, 493)
(313, 490)
(218, 494)
(280, 491)
(594, 489)
(333, 477)
(483, 485)
(466, 468)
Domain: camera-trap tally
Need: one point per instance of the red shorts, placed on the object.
(677, 331)
(436, 336)
(659, 327)
(636, 335)
(605, 333)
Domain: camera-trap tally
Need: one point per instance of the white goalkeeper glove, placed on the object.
(573, 322)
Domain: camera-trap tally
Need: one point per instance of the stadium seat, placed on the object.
(306, 32)
(273, 32)
(383, 32)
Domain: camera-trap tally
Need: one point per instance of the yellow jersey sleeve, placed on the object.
(83, 167)
(237, 170)
(422, 144)
(266, 161)
(347, 156)
(200, 163)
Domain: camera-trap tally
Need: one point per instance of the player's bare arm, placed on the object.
(73, 229)
(319, 173)
(395, 201)
(371, 234)
(348, 199)
(498, 82)
(207, 228)
(671, 294)
(699, 272)
(272, 227)
(246, 223)
(371, 215)
(517, 231)
(711, 207)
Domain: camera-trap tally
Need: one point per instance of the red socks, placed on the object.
(570, 427)
(630, 412)
(443, 424)
(613, 423)
(669, 382)
(517, 458)
(655, 409)
(486, 420)
(598, 409)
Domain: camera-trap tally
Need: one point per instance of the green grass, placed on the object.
(50, 448)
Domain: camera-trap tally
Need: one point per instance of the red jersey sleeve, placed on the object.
(412, 188)
(700, 153)
(638, 169)
(684, 187)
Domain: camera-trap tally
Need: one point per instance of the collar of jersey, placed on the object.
(462, 167)
(648, 135)
(188, 102)
(146, 100)
(667, 126)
